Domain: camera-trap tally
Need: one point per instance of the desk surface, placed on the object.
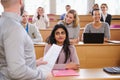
(91, 74)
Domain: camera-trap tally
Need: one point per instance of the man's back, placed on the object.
(17, 56)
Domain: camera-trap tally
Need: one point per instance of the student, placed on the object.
(67, 7)
(105, 17)
(95, 6)
(68, 58)
(97, 26)
(71, 22)
(31, 29)
(40, 19)
(17, 55)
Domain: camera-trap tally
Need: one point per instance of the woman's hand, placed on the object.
(72, 66)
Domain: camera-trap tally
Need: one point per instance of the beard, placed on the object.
(21, 10)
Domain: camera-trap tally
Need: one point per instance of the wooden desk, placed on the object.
(90, 74)
(93, 55)
(114, 33)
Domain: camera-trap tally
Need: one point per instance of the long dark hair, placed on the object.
(51, 40)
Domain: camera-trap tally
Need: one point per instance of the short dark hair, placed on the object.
(68, 6)
(95, 10)
(104, 5)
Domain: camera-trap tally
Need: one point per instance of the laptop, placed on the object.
(93, 38)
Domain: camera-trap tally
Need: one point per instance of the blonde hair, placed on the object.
(76, 18)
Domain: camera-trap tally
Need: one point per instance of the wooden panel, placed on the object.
(45, 33)
(93, 55)
(115, 34)
(39, 51)
(98, 55)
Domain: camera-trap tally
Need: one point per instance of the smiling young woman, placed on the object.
(68, 58)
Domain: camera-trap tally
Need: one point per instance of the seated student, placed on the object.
(31, 29)
(105, 17)
(68, 58)
(67, 7)
(97, 26)
(71, 22)
(40, 19)
(95, 6)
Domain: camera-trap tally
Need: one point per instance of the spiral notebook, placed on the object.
(58, 73)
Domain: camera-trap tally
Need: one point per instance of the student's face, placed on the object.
(25, 17)
(60, 36)
(69, 18)
(96, 16)
(103, 8)
(40, 11)
(67, 8)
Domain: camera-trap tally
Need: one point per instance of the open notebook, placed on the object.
(58, 73)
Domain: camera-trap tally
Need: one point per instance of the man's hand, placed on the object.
(40, 62)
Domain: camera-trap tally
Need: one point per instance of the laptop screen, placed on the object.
(93, 37)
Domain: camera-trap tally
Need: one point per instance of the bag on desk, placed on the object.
(112, 70)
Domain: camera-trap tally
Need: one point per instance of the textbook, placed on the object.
(51, 57)
(69, 72)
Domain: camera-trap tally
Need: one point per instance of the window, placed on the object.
(79, 5)
(1, 9)
(113, 6)
(32, 5)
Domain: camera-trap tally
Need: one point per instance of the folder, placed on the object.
(58, 73)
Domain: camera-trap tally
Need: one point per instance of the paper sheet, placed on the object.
(51, 57)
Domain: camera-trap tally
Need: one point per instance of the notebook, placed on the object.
(93, 37)
(58, 73)
(112, 70)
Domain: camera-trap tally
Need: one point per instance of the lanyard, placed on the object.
(26, 28)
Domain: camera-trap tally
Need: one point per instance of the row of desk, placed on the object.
(92, 55)
(114, 33)
(84, 19)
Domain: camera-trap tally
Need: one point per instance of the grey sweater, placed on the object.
(103, 29)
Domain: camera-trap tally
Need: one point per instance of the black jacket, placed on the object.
(108, 19)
